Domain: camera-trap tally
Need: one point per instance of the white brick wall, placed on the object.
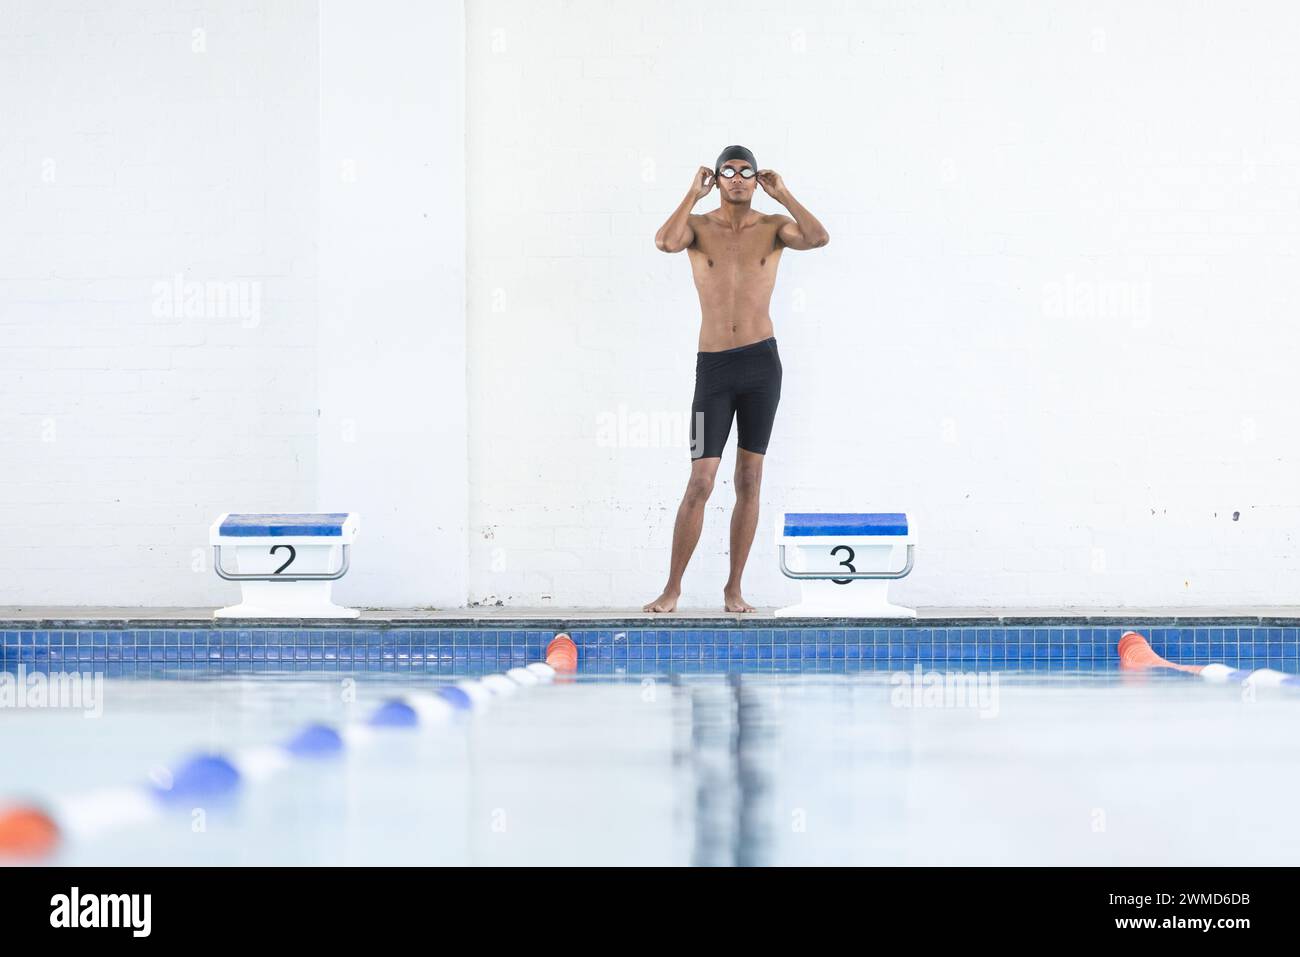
(144, 142)
(305, 156)
(1056, 321)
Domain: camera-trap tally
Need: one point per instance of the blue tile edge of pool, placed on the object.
(145, 651)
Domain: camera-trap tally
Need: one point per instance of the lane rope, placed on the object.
(35, 830)
(1136, 654)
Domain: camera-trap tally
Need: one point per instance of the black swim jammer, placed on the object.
(745, 382)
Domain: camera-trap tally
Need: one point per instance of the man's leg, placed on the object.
(744, 522)
(755, 415)
(686, 531)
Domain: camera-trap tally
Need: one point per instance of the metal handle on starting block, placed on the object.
(291, 577)
(848, 576)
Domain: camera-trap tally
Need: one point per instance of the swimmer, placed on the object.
(734, 252)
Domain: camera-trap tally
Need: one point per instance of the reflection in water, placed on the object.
(757, 731)
(732, 755)
(712, 748)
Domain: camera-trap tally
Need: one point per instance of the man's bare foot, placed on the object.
(665, 602)
(734, 602)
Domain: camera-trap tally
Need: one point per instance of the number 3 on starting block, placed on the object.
(844, 562)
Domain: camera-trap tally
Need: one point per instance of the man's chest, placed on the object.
(753, 247)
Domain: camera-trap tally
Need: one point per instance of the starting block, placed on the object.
(844, 562)
(285, 563)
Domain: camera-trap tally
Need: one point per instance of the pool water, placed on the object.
(1086, 767)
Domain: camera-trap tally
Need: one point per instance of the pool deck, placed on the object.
(33, 616)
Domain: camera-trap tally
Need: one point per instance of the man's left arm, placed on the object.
(805, 231)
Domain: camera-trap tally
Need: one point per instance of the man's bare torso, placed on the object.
(735, 272)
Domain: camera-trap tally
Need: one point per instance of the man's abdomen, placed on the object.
(726, 333)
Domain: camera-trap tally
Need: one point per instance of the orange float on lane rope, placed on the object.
(1135, 652)
(562, 654)
(26, 832)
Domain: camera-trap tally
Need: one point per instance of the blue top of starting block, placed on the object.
(799, 524)
(323, 524)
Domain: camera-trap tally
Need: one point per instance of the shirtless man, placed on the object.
(734, 252)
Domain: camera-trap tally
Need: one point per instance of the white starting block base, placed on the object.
(823, 597)
(275, 559)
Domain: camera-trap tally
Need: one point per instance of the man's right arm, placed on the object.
(677, 234)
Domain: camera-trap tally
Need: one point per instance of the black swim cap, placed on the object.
(736, 153)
